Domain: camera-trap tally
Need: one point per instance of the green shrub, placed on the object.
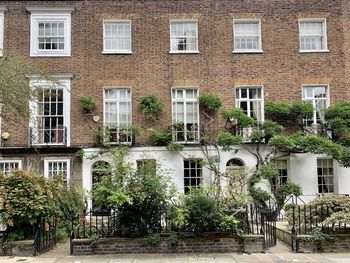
(25, 198)
(290, 207)
(238, 117)
(302, 110)
(259, 194)
(140, 196)
(151, 106)
(277, 110)
(28, 199)
(319, 239)
(174, 147)
(174, 240)
(271, 129)
(338, 118)
(201, 211)
(209, 102)
(87, 104)
(226, 140)
(95, 240)
(330, 210)
(152, 240)
(161, 138)
(61, 233)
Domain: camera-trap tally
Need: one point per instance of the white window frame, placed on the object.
(64, 82)
(184, 100)
(2, 29)
(335, 190)
(105, 125)
(46, 167)
(50, 15)
(259, 49)
(116, 51)
(237, 100)
(325, 40)
(201, 178)
(327, 99)
(12, 161)
(183, 21)
(277, 167)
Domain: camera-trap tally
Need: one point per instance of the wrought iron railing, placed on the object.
(117, 136)
(45, 235)
(48, 136)
(189, 133)
(321, 130)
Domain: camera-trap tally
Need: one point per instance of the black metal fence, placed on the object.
(253, 220)
(45, 236)
(305, 218)
(262, 220)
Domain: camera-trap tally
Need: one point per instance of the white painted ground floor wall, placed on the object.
(302, 168)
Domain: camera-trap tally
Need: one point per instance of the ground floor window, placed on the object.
(192, 174)
(7, 166)
(325, 176)
(53, 168)
(282, 167)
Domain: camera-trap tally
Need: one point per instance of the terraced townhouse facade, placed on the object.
(247, 51)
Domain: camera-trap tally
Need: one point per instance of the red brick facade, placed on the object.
(281, 69)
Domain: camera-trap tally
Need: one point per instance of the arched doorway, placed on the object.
(237, 176)
(98, 171)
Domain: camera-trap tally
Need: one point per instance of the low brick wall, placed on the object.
(23, 248)
(188, 243)
(342, 244)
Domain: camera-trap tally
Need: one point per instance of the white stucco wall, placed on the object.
(302, 168)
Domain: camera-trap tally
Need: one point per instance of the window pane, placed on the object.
(312, 35)
(117, 36)
(246, 35)
(183, 36)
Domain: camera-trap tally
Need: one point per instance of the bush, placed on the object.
(330, 210)
(151, 106)
(210, 103)
(201, 212)
(87, 104)
(226, 140)
(161, 138)
(277, 110)
(28, 199)
(302, 110)
(25, 198)
(174, 147)
(140, 196)
(238, 117)
(338, 118)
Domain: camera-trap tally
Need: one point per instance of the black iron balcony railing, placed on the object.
(319, 129)
(189, 133)
(118, 136)
(48, 136)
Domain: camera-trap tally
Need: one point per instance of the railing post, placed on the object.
(293, 234)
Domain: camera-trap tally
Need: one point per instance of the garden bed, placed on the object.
(184, 243)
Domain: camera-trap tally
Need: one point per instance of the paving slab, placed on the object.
(154, 258)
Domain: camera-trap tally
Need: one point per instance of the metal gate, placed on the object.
(45, 236)
(262, 220)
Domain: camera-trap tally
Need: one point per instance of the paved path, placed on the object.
(278, 254)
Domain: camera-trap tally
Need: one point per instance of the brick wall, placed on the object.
(211, 243)
(341, 244)
(281, 69)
